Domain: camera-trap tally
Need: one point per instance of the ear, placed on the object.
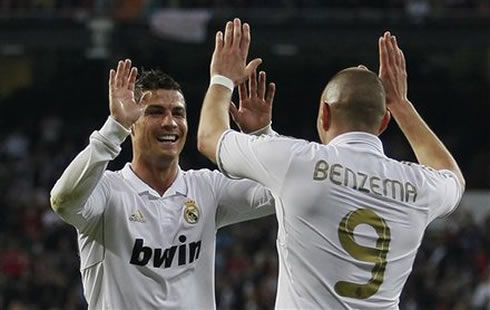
(384, 122)
(325, 116)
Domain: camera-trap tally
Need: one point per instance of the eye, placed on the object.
(153, 111)
(179, 113)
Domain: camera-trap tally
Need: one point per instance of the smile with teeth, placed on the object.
(167, 138)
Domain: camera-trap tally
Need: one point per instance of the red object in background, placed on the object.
(13, 262)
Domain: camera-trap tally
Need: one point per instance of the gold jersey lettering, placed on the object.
(363, 182)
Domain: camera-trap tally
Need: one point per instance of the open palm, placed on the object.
(255, 107)
(122, 103)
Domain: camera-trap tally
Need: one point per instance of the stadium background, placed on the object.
(54, 59)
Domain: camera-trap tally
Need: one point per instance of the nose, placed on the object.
(168, 121)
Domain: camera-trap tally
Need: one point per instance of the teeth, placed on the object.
(167, 138)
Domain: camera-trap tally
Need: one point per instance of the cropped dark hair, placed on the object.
(154, 79)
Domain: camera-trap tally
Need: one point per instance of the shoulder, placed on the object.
(202, 175)
(423, 174)
(116, 179)
(112, 176)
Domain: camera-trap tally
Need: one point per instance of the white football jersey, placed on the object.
(140, 250)
(350, 218)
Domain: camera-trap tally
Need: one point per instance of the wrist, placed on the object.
(266, 130)
(121, 123)
(217, 79)
(114, 131)
(400, 107)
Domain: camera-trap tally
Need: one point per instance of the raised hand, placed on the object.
(392, 70)
(231, 52)
(255, 108)
(122, 103)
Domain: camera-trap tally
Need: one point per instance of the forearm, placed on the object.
(242, 200)
(214, 120)
(85, 171)
(428, 149)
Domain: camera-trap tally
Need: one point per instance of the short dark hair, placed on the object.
(153, 79)
(361, 98)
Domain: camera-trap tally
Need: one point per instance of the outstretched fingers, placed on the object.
(132, 78)
(119, 74)
(403, 61)
(271, 91)
(123, 75)
(112, 78)
(252, 85)
(400, 58)
(396, 52)
(245, 42)
(228, 41)
(383, 62)
(391, 49)
(218, 42)
(127, 72)
(261, 85)
(237, 33)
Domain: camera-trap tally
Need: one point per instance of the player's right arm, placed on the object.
(429, 150)
(81, 181)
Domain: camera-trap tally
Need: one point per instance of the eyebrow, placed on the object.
(159, 107)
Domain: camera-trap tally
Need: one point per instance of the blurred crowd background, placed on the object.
(54, 61)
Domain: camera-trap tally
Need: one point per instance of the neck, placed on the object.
(338, 130)
(158, 177)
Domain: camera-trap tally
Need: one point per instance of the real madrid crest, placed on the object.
(191, 212)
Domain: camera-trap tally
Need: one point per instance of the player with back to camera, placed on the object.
(350, 218)
(147, 233)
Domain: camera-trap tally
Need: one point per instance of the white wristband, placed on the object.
(223, 81)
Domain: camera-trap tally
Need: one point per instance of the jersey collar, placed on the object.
(360, 138)
(178, 186)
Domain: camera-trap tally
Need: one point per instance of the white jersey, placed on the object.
(350, 219)
(140, 250)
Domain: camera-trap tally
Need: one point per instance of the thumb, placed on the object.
(145, 97)
(234, 114)
(233, 111)
(252, 66)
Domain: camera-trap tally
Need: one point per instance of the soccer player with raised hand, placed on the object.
(350, 218)
(147, 232)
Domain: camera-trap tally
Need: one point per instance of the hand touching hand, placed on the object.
(392, 70)
(255, 109)
(231, 52)
(122, 104)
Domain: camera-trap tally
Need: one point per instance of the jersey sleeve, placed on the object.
(81, 193)
(264, 159)
(444, 189)
(240, 200)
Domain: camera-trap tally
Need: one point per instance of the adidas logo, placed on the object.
(137, 217)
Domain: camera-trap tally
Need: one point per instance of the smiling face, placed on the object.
(159, 135)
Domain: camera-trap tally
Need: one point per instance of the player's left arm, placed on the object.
(228, 61)
(254, 113)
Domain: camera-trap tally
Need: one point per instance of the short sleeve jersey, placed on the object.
(350, 218)
(141, 250)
